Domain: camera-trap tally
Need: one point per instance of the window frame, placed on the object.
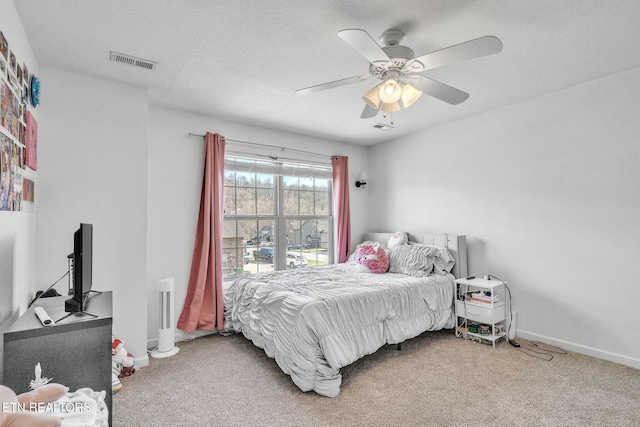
(281, 246)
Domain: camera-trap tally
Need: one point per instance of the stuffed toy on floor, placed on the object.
(121, 364)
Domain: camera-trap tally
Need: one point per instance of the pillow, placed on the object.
(399, 238)
(354, 254)
(372, 259)
(413, 260)
(443, 261)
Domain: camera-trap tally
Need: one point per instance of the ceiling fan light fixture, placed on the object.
(397, 65)
(372, 98)
(409, 95)
(390, 91)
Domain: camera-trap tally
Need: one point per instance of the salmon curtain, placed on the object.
(341, 205)
(204, 305)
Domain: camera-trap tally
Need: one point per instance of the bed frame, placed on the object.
(457, 246)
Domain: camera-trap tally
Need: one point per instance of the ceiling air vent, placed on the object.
(382, 126)
(132, 60)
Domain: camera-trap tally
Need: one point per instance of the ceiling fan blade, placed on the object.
(361, 41)
(331, 85)
(487, 45)
(441, 91)
(368, 112)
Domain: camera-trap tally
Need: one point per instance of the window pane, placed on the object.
(322, 204)
(264, 254)
(233, 249)
(296, 256)
(306, 183)
(266, 235)
(248, 247)
(266, 201)
(294, 235)
(229, 234)
(321, 184)
(290, 202)
(265, 181)
(306, 202)
(229, 200)
(248, 230)
(244, 179)
(322, 232)
(315, 244)
(290, 182)
(245, 201)
(229, 178)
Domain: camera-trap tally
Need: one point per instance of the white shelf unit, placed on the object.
(489, 316)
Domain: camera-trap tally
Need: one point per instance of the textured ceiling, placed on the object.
(243, 60)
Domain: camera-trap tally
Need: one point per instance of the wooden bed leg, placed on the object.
(399, 346)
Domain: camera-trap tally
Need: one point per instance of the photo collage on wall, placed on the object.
(18, 131)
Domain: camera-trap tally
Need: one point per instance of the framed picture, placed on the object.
(4, 46)
(13, 63)
(31, 141)
(12, 80)
(28, 189)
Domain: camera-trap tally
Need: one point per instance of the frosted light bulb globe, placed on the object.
(390, 91)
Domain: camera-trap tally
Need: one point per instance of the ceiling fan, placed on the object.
(399, 69)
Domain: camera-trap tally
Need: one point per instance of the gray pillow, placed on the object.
(413, 260)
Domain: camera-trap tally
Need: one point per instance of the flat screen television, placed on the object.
(82, 269)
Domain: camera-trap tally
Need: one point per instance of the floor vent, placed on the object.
(132, 60)
(382, 126)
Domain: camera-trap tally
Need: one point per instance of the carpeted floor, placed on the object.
(436, 380)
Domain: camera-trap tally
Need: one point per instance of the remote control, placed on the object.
(44, 317)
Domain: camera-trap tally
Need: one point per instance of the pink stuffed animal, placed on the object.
(372, 258)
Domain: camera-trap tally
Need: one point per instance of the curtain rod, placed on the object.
(274, 158)
(268, 146)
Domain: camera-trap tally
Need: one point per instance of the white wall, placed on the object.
(17, 229)
(175, 179)
(105, 159)
(93, 168)
(547, 193)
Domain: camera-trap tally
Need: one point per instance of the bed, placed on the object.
(314, 321)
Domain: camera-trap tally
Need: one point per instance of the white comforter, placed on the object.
(314, 321)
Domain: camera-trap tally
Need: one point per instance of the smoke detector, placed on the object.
(132, 60)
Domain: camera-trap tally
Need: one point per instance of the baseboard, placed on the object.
(179, 337)
(582, 349)
(141, 362)
(152, 344)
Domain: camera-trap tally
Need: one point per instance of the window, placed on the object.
(277, 215)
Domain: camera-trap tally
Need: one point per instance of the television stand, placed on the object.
(71, 306)
(75, 353)
(76, 313)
